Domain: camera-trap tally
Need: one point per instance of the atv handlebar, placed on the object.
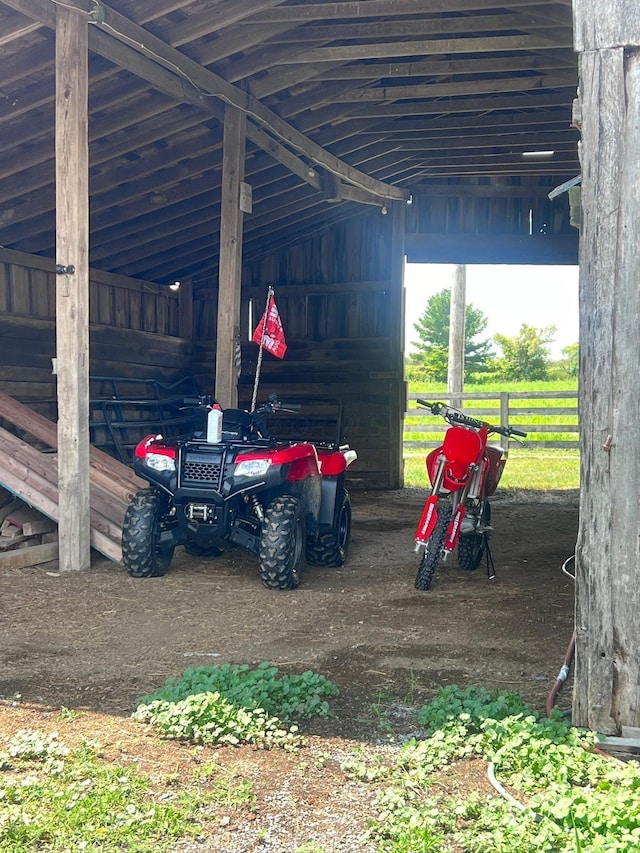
(454, 416)
(272, 405)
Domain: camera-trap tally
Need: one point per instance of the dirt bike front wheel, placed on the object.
(433, 549)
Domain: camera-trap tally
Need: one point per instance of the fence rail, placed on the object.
(550, 418)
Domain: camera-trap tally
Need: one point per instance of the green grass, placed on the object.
(525, 469)
(56, 799)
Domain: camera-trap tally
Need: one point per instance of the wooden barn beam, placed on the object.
(375, 9)
(198, 85)
(230, 264)
(72, 292)
(606, 693)
(490, 44)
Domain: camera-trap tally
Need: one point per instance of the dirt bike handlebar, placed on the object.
(454, 416)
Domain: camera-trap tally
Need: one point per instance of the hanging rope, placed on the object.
(260, 351)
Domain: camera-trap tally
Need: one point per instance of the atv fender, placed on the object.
(331, 499)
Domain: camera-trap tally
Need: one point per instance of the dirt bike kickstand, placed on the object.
(491, 570)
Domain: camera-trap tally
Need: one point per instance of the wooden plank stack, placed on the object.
(32, 475)
(27, 537)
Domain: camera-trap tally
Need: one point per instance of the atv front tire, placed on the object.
(142, 554)
(330, 547)
(433, 550)
(282, 543)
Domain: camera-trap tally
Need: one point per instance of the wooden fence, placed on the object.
(550, 418)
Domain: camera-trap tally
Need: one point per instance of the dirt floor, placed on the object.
(98, 640)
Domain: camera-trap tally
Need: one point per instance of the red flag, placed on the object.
(269, 332)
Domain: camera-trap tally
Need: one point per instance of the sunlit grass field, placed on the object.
(527, 467)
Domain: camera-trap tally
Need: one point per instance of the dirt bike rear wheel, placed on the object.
(433, 550)
(142, 554)
(471, 546)
(330, 547)
(282, 543)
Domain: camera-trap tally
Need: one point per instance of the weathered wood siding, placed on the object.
(340, 300)
(475, 221)
(134, 328)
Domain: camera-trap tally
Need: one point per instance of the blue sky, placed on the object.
(508, 296)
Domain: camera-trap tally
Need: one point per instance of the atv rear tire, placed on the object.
(330, 547)
(471, 546)
(142, 554)
(433, 550)
(282, 543)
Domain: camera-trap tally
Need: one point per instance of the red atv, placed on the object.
(236, 485)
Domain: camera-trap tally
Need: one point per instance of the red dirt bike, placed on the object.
(464, 472)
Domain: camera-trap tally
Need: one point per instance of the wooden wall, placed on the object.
(340, 299)
(134, 330)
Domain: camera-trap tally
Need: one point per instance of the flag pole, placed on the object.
(260, 351)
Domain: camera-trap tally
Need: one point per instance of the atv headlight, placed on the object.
(160, 462)
(252, 468)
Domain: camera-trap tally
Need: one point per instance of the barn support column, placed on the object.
(72, 292)
(230, 271)
(607, 673)
(455, 369)
(398, 397)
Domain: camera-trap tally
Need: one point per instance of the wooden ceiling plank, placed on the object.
(447, 129)
(443, 67)
(432, 47)
(211, 20)
(377, 8)
(142, 12)
(16, 28)
(525, 140)
(233, 40)
(470, 87)
(35, 58)
(315, 120)
(455, 25)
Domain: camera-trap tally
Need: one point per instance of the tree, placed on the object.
(571, 355)
(525, 356)
(433, 329)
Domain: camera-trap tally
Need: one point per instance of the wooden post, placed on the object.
(230, 272)
(455, 369)
(72, 292)
(607, 669)
(397, 400)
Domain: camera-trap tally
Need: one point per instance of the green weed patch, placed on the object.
(552, 791)
(235, 704)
